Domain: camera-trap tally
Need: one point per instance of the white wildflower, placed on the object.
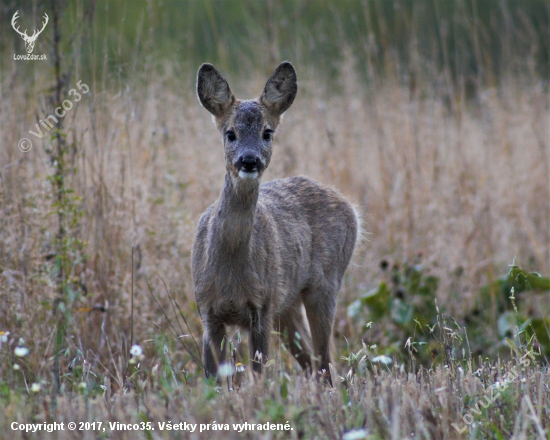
(21, 351)
(356, 434)
(386, 360)
(225, 369)
(136, 350)
(4, 337)
(35, 387)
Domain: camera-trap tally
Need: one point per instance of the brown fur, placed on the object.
(261, 251)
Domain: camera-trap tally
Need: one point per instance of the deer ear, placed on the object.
(213, 91)
(280, 89)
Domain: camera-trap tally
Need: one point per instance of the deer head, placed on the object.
(29, 41)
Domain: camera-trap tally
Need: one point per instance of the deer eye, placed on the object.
(231, 136)
(268, 134)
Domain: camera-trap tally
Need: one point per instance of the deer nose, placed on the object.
(249, 162)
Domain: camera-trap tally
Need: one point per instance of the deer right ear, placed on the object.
(280, 89)
(213, 91)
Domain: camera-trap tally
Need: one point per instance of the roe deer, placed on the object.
(261, 251)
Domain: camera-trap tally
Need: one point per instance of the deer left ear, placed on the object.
(280, 89)
(213, 91)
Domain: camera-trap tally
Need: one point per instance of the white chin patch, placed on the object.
(248, 174)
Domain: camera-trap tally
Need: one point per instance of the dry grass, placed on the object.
(464, 181)
(378, 405)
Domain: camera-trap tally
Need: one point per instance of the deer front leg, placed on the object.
(213, 352)
(259, 339)
(259, 345)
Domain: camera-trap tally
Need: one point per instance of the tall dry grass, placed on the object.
(464, 182)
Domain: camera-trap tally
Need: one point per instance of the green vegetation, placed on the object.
(409, 302)
(473, 41)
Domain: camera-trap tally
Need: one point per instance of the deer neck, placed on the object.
(235, 213)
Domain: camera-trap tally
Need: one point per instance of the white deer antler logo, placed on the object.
(29, 41)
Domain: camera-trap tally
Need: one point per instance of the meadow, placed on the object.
(433, 119)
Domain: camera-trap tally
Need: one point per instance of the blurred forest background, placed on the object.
(473, 42)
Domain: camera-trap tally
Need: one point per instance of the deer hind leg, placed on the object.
(293, 330)
(320, 309)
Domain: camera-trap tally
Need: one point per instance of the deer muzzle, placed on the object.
(249, 166)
